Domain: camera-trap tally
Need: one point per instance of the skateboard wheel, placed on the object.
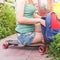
(41, 49)
(5, 45)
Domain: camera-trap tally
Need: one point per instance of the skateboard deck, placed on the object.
(12, 42)
(35, 44)
(8, 43)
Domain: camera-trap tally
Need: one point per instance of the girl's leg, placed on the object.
(38, 28)
(37, 38)
(38, 33)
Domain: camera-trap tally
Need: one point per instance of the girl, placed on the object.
(28, 24)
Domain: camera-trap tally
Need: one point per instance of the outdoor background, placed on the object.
(8, 18)
(8, 23)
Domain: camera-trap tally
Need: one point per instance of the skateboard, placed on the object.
(41, 49)
(8, 43)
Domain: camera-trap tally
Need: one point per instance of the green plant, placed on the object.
(54, 48)
(7, 20)
(10, 1)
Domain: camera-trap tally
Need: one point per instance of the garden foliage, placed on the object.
(7, 20)
(54, 48)
(10, 1)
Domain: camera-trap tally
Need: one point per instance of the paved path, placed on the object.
(20, 53)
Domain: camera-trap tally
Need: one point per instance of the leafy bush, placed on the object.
(10, 1)
(7, 20)
(54, 48)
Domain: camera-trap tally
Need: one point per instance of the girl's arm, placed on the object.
(20, 4)
(42, 21)
(20, 14)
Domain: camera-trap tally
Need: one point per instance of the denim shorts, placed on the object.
(25, 38)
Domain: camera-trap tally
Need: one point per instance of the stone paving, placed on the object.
(20, 52)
